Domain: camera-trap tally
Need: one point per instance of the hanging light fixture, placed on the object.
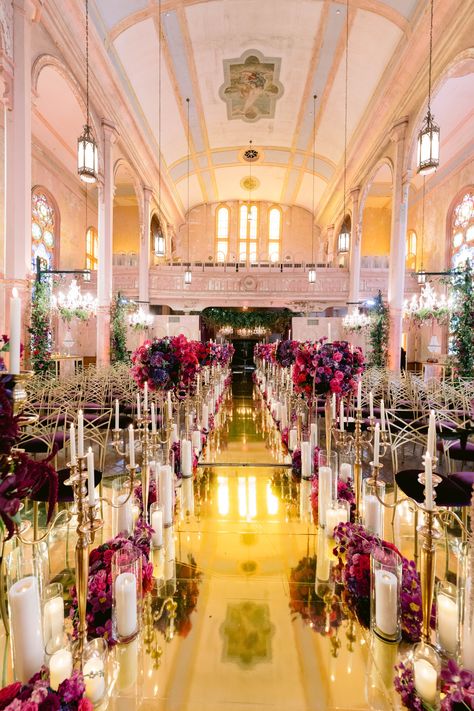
(355, 321)
(428, 137)
(188, 276)
(344, 239)
(87, 156)
(312, 271)
(74, 301)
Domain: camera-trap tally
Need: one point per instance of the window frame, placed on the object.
(219, 239)
(92, 257)
(411, 257)
(249, 240)
(275, 240)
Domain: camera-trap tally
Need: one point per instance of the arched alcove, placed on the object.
(376, 211)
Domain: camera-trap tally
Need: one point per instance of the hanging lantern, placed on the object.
(312, 276)
(421, 277)
(87, 157)
(188, 277)
(343, 240)
(428, 146)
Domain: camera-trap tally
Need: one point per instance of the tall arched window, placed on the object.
(462, 230)
(43, 229)
(222, 233)
(92, 249)
(274, 234)
(248, 230)
(157, 237)
(411, 247)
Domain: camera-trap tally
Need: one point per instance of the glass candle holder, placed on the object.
(327, 482)
(447, 617)
(337, 512)
(324, 562)
(122, 500)
(58, 656)
(385, 585)
(126, 595)
(127, 657)
(95, 670)
(156, 522)
(346, 466)
(426, 672)
(53, 612)
(373, 492)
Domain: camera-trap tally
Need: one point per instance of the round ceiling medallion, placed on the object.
(251, 155)
(250, 183)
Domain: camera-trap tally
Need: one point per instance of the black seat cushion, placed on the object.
(448, 492)
(65, 493)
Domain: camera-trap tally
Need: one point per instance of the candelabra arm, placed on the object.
(65, 514)
(116, 443)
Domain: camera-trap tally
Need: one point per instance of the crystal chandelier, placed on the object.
(74, 301)
(428, 137)
(255, 331)
(87, 156)
(355, 321)
(428, 305)
(140, 320)
(226, 331)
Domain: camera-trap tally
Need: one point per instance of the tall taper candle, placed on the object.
(341, 415)
(139, 407)
(145, 397)
(359, 395)
(72, 444)
(80, 433)
(131, 445)
(428, 482)
(117, 415)
(371, 404)
(432, 434)
(382, 415)
(15, 331)
(90, 477)
(153, 418)
(169, 405)
(376, 444)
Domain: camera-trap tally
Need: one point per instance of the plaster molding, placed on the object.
(6, 29)
(6, 80)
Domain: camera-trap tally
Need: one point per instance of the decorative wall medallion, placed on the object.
(250, 183)
(251, 86)
(247, 633)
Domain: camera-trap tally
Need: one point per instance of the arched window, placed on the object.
(274, 234)
(222, 233)
(43, 229)
(411, 245)
(248, 230)
(157, 238)
(462, 230)
(92, 249)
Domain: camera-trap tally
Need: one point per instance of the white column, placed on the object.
(356, 239)
(396, 277)
(105, 232)
(145, 249)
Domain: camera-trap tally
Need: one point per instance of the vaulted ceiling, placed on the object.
(297, 49)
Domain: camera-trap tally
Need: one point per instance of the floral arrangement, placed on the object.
(40, 328)
(118, 330)
(265, 352)
(379, 332)
(462, 321)
(5, 348)
(345, 492)
(324, 616)
(323, 368)
(457, 687)
(285, 353)
(165, 363)
(37, 694)
(20, 476)
(152, 498)
(188, 579)
(99, 593)
(221, 353)
(353, 548)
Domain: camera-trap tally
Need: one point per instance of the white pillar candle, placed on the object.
(426, 680)
(382, 415)
(157, 526)
(283, 416)
(322, 561)
(306, 460)
(205, 417)
(305, 501)
(26, 631)
(467, 638)
(135, 515)
(60, 668)
(15, 332)
(188, 495)
(428, 482)
(341, 415)
(80, 433)
(186, 458)
(333, 406)
(324, 493)
(90, 477)
(169, 406)
(432, 434)
(145, 397)
(334, 517)
(371, 404)
(166, 480)
(345, 471)
(126, 604)
(131, 445)
(197, 441)
(122, 517)
(373, 515)
(117, 415)
(359, 395)
(53, 618)
(447, 620)
(72, 444)
(153, 418)
(174, 433)
(95, 684)
(377, 444)
(139, 407)
(386, 602)
(292, 439)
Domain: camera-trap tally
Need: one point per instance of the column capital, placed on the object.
(354, 193)
(399, 130)
(109, 130)
(31, 9)
(147, 193)
(6, 81)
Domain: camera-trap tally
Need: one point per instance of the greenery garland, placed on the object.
(462, 320)
(40, 327)
(378, 333)
(118, 331)
(276, 321)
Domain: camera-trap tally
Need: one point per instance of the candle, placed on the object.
(283, 416)
(341, 415)
(60, 668)
(127, 656)
(197, 441)
(139, 407)
(329, 332)
(95, 684)
(157, 526)
(53, 618)
(122, 515)
(174, 433)
(145, 397)
(322, 562)
(382, 415)
(186, 458)
(126, 604)
(432, 434)
(335, 516)
(153, 418)
(426, 680)
(167, 494)
(131, 445)
(90, 477)
(333, 406)
(135, 515)
(377, 444)
(205, 417)
(15, 332)
(292, 439)
(188, 496)
(467, 639)
(72, 444)
(169, 406)
(306, 460)
(25, 622)
(117, 415)
(359, 395)
(373, 515)
(345, 471)
(313, 437)
(371, 404)
(386, 602)
(447, 619)
(305, 500)
(80, 433)
(324, 493)
(428, 482)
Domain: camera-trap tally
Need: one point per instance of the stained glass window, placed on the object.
(222, 233)
(462, 230)
(411, 246)
(43, 223)
(92, 249)
(274, 234)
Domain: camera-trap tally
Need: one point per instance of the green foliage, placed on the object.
(40, 327)
(378, 333)
(118, 331)
(276, 321)
(462, 320)
(68, 314)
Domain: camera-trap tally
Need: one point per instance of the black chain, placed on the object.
(187, 101)
(314, 156)
(431, 55)
(422, 223)
(87, 61)
(159, 112)
(345, 110)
